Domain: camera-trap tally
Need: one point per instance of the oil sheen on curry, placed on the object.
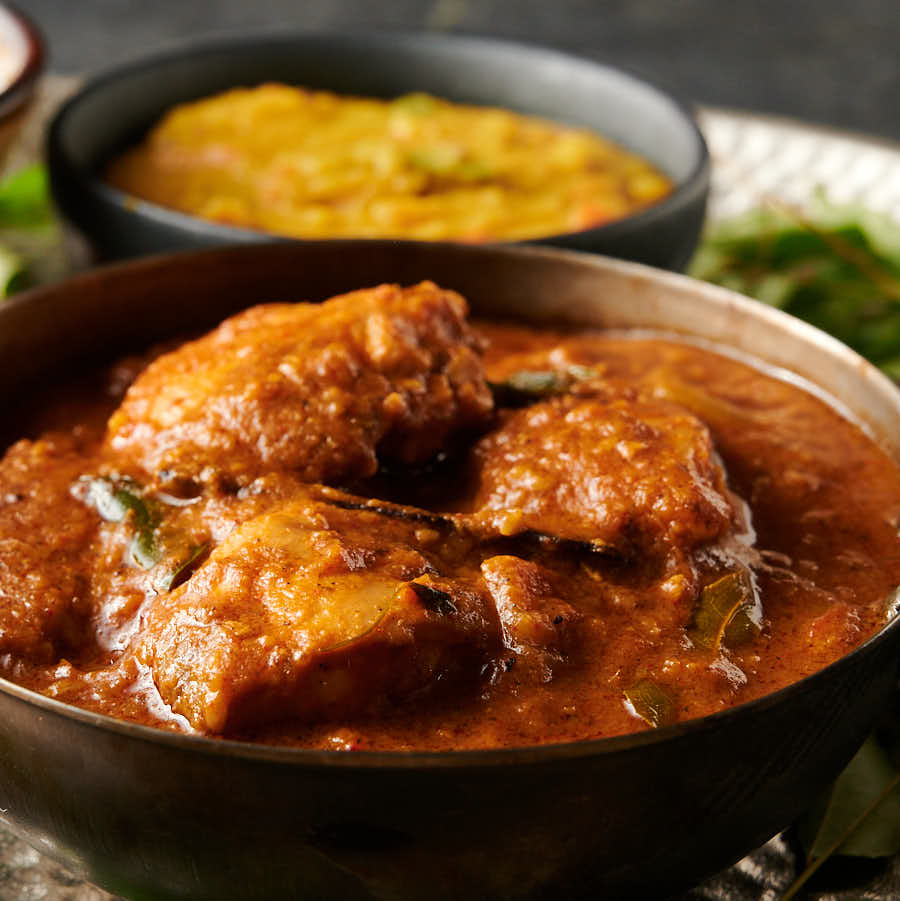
(313, 164)
(373, 524)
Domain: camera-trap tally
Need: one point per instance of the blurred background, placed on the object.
(829, 61)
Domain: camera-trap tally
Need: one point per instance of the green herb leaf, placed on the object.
(537, 382)
(103, 496)
(11, 268)
(172, 578)
(859, 816)
(118, 500)
(650, 702)
(144, 549)
(838, 269)
(860, 785)
(31, 245)
(529, 385)
(727, 612)
(579, 373)
(25, 199)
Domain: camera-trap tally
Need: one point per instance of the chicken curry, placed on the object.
(373, 524)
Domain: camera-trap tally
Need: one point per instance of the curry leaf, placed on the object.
(862, 782)
(172, 578)
(417, 104)
(859, 816)
(101, 494)
(347, 642)
(144, 550)
(543, 382)
(118, 500)
(726, 612)
(528, 385)
(649, 702)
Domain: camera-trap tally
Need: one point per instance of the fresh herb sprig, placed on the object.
(30, 241)
(836, 267)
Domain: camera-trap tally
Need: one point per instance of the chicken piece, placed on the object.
(313, 611)
(626, 473)
(44, 537)
(536, 625)
(322, 390)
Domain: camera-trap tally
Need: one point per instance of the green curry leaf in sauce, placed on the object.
(725, 613)
(650, 702)
(122, 500)
(529, 385)
(173, 577)
(118, 500)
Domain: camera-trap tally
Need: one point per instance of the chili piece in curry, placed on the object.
(370, 523)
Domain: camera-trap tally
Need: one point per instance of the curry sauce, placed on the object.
(372, 524)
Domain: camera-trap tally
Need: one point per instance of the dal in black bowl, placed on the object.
(115, 111)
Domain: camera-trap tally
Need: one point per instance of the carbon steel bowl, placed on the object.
(116, 110)
(21, 68)
(153, 814)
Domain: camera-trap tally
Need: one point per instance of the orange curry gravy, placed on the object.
(369, 524)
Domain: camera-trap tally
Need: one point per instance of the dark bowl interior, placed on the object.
(152, 814)
(116, 109)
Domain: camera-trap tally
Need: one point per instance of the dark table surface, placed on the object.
(830, 61)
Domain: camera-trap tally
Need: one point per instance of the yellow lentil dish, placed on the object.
(314, 164)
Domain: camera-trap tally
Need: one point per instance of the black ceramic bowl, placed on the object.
(116, 109)
(152, 814)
